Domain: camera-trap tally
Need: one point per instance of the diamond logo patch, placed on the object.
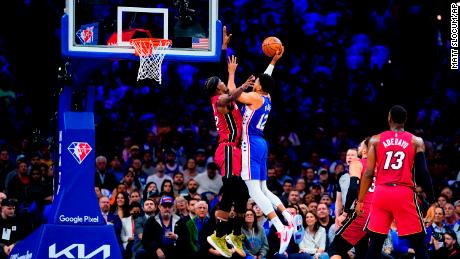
(79, 150)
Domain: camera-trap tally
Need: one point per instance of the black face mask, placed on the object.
(135, 215)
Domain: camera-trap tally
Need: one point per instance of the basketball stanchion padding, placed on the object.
(151, 52)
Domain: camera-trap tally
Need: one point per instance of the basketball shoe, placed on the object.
(220, 244)
(299, 231)
(285, 236)
(237, 243)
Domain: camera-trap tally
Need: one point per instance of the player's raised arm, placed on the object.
(246, 98)
(275, 59)
(422, 176)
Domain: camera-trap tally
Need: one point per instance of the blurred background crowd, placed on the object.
(345, 64)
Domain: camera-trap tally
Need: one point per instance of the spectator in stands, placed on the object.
(116, 168)
(442, 200)
(191, 207)
(181, 205)
(121, 188)
(287, 188)
(437, 228)
(109, 218)
(198, 229)
(325, 182)
(447, 247)
(450, 217)
(140, 177)
(190, 170)
(121, 206)
(272, 183)
(448, 192)
(150, 145)
(308, 198)
(192, 188)
(135, 196)
(316, 189)
(134, 153)
(179, 187)
(167, 188)
(255, 243)
(282, 174)
(147, 164)
(102, 177)
(127, 143)
(211, 181)
(5, 166)
(293, 198)
(13, 227)
(160, 238)
(128, 229)
(312, 206)
(130, 181)
(172, 166)
(324, 217)
(200, 159)
(149, 211)
(262, 220)
(303, 209)
(150, 189)
(36, 191)
(314, 241)
(19, 182)
(160, 174)
(300, 187)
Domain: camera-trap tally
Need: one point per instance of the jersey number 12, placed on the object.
(262, 122)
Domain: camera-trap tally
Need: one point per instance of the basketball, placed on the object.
(270, 45)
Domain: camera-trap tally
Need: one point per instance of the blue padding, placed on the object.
(55, 241)
(78, 120)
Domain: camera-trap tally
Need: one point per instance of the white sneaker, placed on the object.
(299, 231)
(285, 237)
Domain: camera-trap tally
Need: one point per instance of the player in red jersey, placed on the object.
(395, 153)
(229, 122)
(351, 233)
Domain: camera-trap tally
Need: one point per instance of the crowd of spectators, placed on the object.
(345, 65)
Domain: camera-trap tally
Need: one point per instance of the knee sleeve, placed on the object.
(258, 196)
(275, 200)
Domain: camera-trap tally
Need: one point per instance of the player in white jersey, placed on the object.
(257, 106)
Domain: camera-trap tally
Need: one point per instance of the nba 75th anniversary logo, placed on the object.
(454, 35)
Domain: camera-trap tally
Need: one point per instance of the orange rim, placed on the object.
(143, 43)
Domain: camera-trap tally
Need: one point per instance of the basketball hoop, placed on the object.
(151, 54)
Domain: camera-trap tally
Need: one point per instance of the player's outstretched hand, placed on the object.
(231, 61)
(278, 55)
(249, 82)
(225, 37)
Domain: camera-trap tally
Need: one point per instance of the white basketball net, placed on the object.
(151, 54)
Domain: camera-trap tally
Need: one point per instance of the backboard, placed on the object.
(103, 28)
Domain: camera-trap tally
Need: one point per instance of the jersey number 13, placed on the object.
(398, 162)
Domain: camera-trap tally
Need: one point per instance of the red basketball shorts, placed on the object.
(228, 158)
(353, 229)
(398, 203)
